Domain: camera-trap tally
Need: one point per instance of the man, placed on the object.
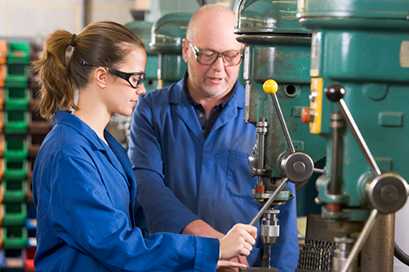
(190, 143)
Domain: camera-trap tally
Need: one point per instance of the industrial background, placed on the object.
(342, 73)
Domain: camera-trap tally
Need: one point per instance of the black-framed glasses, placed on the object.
(208, 56)
(134, 79)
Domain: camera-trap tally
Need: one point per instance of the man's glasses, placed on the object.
(208, 56)
(134, 79)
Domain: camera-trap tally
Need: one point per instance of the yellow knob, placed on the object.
(270, 86)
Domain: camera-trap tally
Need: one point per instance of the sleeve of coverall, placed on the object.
(162, 209)
(83, 214)
(286, 251)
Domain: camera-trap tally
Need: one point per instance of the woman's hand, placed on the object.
(238, 241)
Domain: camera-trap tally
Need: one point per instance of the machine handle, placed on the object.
(271, 87)
(361, 240)
(318, 170)
(269, 201)
(335, 93)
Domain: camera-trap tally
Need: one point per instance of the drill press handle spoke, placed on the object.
(297, 166)
(336, 93)
(269, 201)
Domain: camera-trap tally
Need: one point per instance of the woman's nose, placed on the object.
(141, 90)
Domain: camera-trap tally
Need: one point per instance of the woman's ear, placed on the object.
(101, 77)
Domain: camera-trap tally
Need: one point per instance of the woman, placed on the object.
(83, 184)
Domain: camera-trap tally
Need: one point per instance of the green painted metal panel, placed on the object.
(267, 16)
(143, 30)
(166, 41)
(349, 9)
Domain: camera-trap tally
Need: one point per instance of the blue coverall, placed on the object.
(197, 177)
(85, 195)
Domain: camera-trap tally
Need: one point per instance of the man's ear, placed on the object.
(101, 77)
(185, 49)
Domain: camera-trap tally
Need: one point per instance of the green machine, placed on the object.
(142, 29)
(277, 47)
(358, 104)
(166, 41)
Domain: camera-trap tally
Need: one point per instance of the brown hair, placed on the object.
(67, 60)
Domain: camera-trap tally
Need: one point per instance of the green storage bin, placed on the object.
(15, 238)
(16, 81)
(15, 214)
(15, 191)
(18, 69)
(18, 52)
(15, 170)
(16, 122)
(16, 99)
(16, 148)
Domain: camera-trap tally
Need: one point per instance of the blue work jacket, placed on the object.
(85, 194)
(197, 177)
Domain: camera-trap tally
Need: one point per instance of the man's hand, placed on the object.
(201, 228)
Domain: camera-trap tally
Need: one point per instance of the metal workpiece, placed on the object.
(343, 246)
(298, 167)
(387, 192)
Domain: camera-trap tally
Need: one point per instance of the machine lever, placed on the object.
(269, 201)
(336, 93)
(271, 87)
(361, 240)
